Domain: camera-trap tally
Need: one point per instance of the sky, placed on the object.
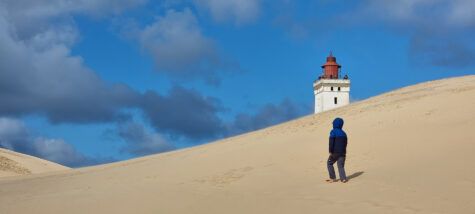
(88, 82)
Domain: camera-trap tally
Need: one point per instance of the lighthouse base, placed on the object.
(331, 94)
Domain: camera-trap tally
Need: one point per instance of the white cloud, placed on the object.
(176, 41)
(140, 141)
(57, 150)
(439, 30)
(448, 13)
(32, 16)
(462, 12)
(38, 74)
(237, 11)
(14, 135)
(180, 49)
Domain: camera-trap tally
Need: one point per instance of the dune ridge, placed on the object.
(15, 164)
(410, 151)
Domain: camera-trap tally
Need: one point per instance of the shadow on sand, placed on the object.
(354, 175)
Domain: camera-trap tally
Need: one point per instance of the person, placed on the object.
(337, 148)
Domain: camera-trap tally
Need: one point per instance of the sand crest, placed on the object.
(15, 164)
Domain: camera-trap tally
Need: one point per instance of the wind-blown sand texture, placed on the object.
(410, 151)
(14, 164)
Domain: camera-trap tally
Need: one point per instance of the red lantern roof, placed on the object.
(331, 68)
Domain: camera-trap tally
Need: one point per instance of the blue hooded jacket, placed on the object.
(338, 139)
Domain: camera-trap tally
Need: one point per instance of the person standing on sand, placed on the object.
(337, 149)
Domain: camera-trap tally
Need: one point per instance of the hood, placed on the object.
(338, 123)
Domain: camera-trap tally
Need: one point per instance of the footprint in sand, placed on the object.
(228, 177)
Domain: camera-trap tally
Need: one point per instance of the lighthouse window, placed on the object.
(331, 88)
(339, 89)
(336, 100)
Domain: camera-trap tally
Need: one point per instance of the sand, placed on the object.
(410, 151)
(15, 164)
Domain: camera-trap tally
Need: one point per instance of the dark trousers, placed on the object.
(340, 159)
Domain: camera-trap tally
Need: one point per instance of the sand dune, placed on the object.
(14, 164)
(410, 151)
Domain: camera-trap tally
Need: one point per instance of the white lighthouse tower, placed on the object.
(331, 91)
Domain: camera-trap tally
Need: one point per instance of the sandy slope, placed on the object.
(410, 151)
(13, 164)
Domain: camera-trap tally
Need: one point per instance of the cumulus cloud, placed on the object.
(183, 112)
(442, 50)
(443, 12)
(38, 74)
(14, 135)
(186, 113)
(237, 11)
(140, 141)
(53, 83)
(462, 12)
(32, 16)
(180, 49)
(434, 27)
(268, 115)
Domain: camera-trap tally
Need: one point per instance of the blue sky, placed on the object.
(89, 82)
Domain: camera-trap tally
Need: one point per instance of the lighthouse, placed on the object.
(330, 89)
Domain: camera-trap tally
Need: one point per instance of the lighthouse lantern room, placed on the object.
(331, 91)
